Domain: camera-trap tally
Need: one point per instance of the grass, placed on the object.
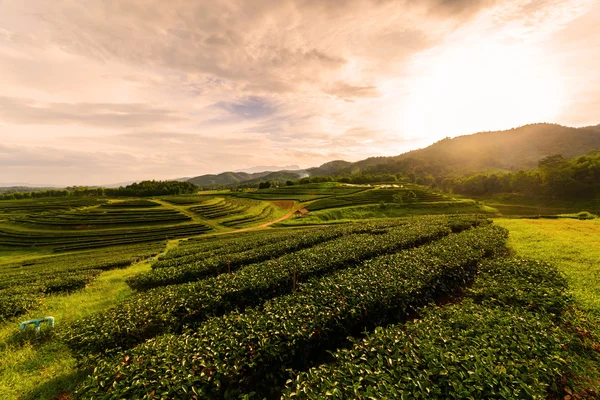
(46, 370)
(349, 214)
(571, 245)
(280, 208)
(513, 204)
(11, 255)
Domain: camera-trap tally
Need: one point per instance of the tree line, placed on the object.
(138, 189)
(555, 177)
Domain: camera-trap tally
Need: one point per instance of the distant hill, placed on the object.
(329, 168)
(279, 176)
(26, 188)
(237, 178)
(262, 168)
(514, 149)
(509, 150)
(226, 178)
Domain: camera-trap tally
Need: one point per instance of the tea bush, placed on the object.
(252, 351)
(169, 309)
(501, 342)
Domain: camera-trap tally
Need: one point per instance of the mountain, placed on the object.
(508, 150)
(262, 168)
(514, 149)
(226, 178)
(279, 176)
(238, 178)
(329, 168)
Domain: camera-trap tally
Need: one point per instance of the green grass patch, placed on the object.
(29, 369)
(305, 192)
(349, 214)
(519, 205)
(572, 245)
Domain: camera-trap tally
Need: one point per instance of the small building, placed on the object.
(301, 213)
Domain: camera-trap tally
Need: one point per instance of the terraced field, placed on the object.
(91, 226)
(106, 215)
(224, 207)
(414, 307)
(261, 310)
(265, 214)
(18, 208)
(311, 191)
(69, 240)
(131, 204)
(374, 196)
(186, 200)
(24, 284)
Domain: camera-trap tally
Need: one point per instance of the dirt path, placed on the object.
(182, 209)
(175, 242)
(262, 226)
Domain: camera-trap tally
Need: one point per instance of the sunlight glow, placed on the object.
(470, 89)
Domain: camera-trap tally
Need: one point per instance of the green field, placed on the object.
(302, 193)
(512, 205)
(43, 369)
(352, 213)
(572, 245)
(390, 296)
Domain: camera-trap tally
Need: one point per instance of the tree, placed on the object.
(405, 197)
(426, 180)
(264, 185)
(410, 197)
(398, 198)
(551, 162)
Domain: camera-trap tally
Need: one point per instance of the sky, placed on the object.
(97, 92)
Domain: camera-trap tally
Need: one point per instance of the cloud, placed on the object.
(228, 40)
(250, 108)
(460, 9)
(167, 141)
(346, 91)
(260, 45)
(179, 88)
(27, 111)
(50, 157)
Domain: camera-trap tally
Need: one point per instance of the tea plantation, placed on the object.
(23, 284)
(430, 306)
(306, 192)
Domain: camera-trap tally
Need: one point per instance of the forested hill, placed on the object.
(238, 178)
(484, 152)
(510, 150)
(225, 178)
(519, 148)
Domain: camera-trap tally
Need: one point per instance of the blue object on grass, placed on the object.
(37, 323)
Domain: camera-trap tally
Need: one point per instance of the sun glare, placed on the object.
(467, 90)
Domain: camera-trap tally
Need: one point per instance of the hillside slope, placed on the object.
(514, 149)
(509, 150)
(225, 178)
